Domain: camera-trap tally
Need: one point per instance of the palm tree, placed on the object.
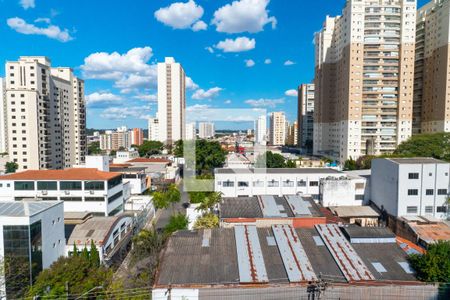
(208, 203)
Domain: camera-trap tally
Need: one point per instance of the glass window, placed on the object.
(301, 183)
(442, 191)
(413, 175)
(94, 185)
(47, 185)
(115, 196)
(413, 192)
(94, 199)
(441, 209)
(36, 248)
(115, 211)
(71, 198)
(114, 182)
(273, 183)
(243, 184)
(288, 183)
(258, 183)
(429, 192)
(228, 183)
(411, 209)
(429, 209)
(359, 197)
(24, 185)
(313, 183)
(70, 185)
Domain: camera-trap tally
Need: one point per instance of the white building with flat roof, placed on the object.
(3, 128)
(410, 186)
(191, 131)
(261, 130)
(32, 238)
(206, 130)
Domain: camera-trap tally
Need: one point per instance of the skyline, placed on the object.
(120, 67)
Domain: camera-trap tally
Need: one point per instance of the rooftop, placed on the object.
(355, 232)
(128, 169)
(25, 208)
(431, 232)
(278, 171)
(417, 160)
(66, 174)
(354, 211)
(149, 160)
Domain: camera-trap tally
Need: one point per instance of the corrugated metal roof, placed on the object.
(269, 207)
(406, 267)
(379, 267)
(24, 208)
(250, 259)
(351, 265)
(299, 206)
(294, 257)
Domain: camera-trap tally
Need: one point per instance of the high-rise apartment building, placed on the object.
(171, 101)
(3, 129)
(431, 105)
(45, 116)
(364, 71)
(137, 136)
(191, 131)
(153, 129)
(261, 130)
(122, 138)
(277, 132)
(206, 130)
(292, 134)
(305, 115)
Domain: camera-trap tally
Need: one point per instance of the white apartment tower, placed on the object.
(171, 101)
(206, 130)
(277, 132)
(364, 71)
(3, 131)
(45, 115)
(431, 111)
(153, 129)
(191, 131)
(261, 130)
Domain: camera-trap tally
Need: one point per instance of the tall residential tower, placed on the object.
(278, 128)
(305, 115)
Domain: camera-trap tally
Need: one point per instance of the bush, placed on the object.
(176, 222)
(207, 221)
(434, 266)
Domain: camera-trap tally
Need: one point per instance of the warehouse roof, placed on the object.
(417, 160)
(277, 171)
(25, 208)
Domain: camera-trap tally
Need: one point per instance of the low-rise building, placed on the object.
(137, 178)
(364, 216)
(342, 190)
(124, 156)
(254, 181)
(410, 186)
(31, 239)
(81, 189)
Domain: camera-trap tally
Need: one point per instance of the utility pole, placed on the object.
(316, 288)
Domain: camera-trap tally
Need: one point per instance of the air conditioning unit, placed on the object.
(91, 192)
(44, 192)
(67, 192)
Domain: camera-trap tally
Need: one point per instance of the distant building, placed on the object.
(206, 130)
(171, 101)
(410, 186)
(292, 134)
(277, 133)
(305, 116)
(3, 118)
(191, 131)
(137, 137)
(124, 156)
(116, 140)
(46, 115)
(261, 130)
(32, 238)
(153, 129)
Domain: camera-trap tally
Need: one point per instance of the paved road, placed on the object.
(162, 216)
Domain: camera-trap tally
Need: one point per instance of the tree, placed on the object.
(150, 148)
(435, 145)
(85, 253)
(11, 167)
(350, 164)
(208, 203)
(208, 155)
(207, 221)
(176, 222)
(291, 164)
(75, 250)
(364, 162)
(75, 271)
(94, 255)
(160, 201)
(434, 266)
(270, 160)
(94, 148)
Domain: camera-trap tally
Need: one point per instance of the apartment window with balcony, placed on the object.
(413, 192)
(413, 176)
(258, 183)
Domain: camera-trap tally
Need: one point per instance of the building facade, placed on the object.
(305, 116)
(277, 131)
(431, 110)
(171, 101)
(410, 186)
(3, 128)
(364, 70)
(191, 131)
(206, 130)
(292, 134)
(261, 130)
(153, 129)
(81, 189)
(45, 116)
(137, 136)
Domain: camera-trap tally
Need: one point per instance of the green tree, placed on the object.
(433, 266)
(11, 167)
(291, 164)
(160, 200)
(207, 221)
(94, 255)
(270, 160)
(176, 222)
(435, 145)
(164, 199)
(94, 148)
(76, 271)
(75, 250)
(150, 148)
(364, 162)
(208, 203)
(350, 164)
(85, 253)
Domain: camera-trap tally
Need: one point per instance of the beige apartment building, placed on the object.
(278, 129)
(305, 115)
(431, 110)
(364, 70)
(292, 134)
(45, 114)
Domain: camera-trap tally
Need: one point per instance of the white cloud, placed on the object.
(43, 20)
(291, 93)
(249, 63)
(267, 61)
(181, 15)
(262, 102)
(197, 107)
(26, 4)
(242, 16)
(190, 84)
(121, 113)
(147, 97)
(52, 31)
(227, 102)
(201, 94)
(237, 45)
(199, 25)
(209, 49)
(98, 98)
(289, 63)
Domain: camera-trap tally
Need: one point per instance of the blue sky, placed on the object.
(238, 54)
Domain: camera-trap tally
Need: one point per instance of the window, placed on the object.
(429, 192)
(94, 185)
(47, 185)
(301, 183)
(273, 183)
(49, 198)
(95, 199)
(24, 185)
(413, 175)
(428, 209)
(442, 192)
(258, 183)
(115, 196)
(359, 197)
(70, 185)
(413, 192)
(71, 198)
(228, 183)
(114, 182)
(411, 209)
(288, 183)
(441, 209)
(313, 183)
(116, 210)
(242, 183)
